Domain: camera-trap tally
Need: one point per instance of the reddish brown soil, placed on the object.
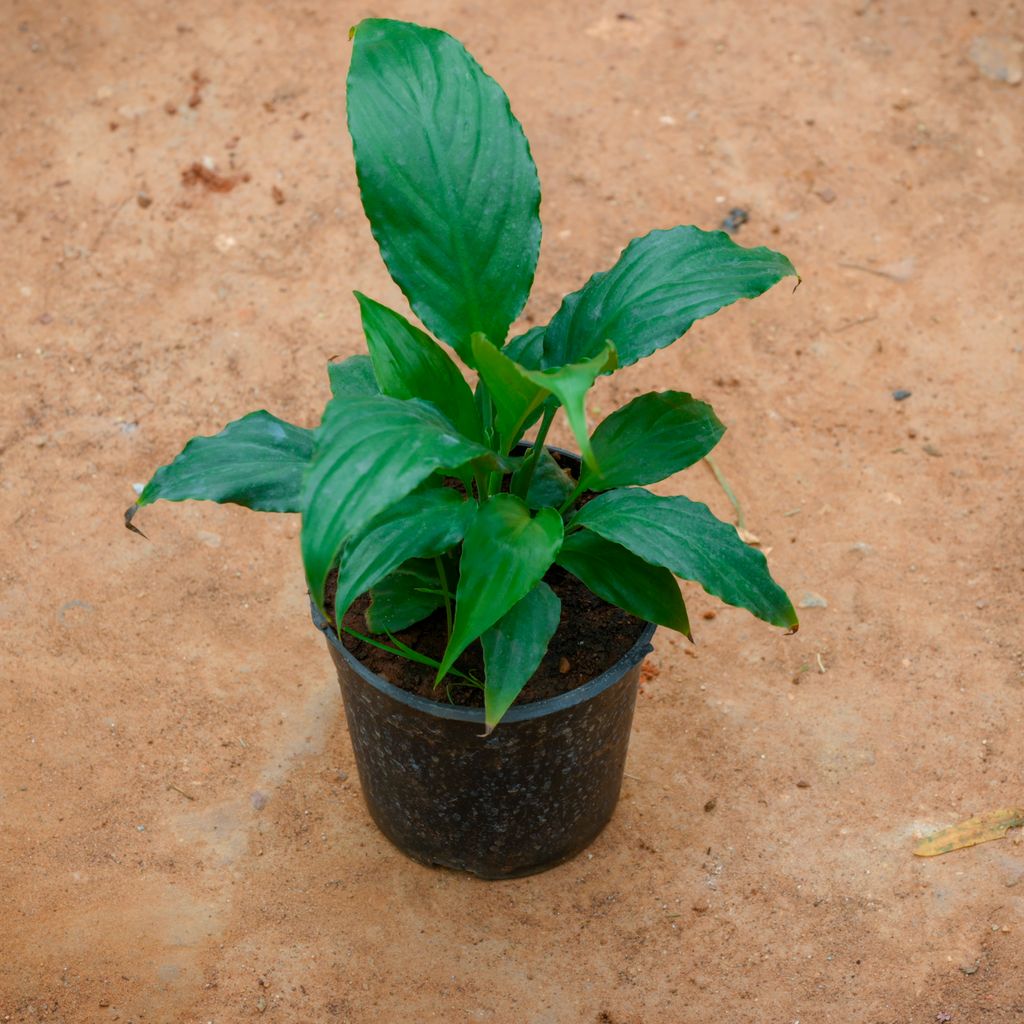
(182, 837)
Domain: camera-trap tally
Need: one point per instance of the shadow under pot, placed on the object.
(534, 793)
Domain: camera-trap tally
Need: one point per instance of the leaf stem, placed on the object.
(444, 593)
(405, 651)
(571, 500)
(523, 487)
(724, 484)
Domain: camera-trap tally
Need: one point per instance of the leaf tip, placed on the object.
(799, 281)
(795, 628)
(352, 32)
(129, 515)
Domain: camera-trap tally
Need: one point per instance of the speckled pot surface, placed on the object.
(531, 795)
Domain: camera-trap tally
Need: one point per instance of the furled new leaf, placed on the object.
(422, 525)
(446, 177)
(505, 553)
(513, 648)
(662, 283)
(370, 453)
(570, 384)
(518, 392)
(408, 363)
(404, 597)
(257, 461)
(353, 378)
(625, 580)
(516, 398)
(652, 437)
(685, 538)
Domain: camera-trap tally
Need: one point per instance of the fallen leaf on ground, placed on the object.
(982, 828)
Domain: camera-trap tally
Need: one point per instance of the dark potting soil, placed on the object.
(591, 637)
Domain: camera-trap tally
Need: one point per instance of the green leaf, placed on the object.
(421, 525)
(370, 453)
(446, 177)
(662, 283)
(519, 393)
(505, 553)
(257, 461)
(625, 580)
(405, 596)
(513, 648)
(550, 485)
(570, 384)
(527, 349)
(685, 538)
(353, 378)
(408, 363)
(515, 396)
(652, 437)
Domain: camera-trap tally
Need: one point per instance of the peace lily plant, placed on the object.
(415, 486)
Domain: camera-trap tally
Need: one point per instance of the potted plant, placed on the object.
(443, 552)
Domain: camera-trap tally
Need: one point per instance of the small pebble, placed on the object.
(901, 394)
(826, 195)
(342, 776)
(803, 784)
(140, 828)
(258, 800)
(862, 548)
(711, 805)
(981, 604)
(969, 968)
(700, 907)
(45, 319)
(1000, 58)
(812, 600)
(564, 665)
(710, 614)
(144, 200)
(930, 449)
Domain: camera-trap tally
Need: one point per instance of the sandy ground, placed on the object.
(182, 837)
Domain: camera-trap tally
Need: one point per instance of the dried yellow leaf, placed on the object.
(982, 828)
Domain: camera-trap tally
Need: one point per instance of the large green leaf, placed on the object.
(505, 553)
(651, 438)
(685, 538)
(513, 648)
(446, 177)
(661, 284)
(353, 378)
(421, 525)
(408, 363)
(625, 580)
(257, 461)
(370, 453)
(404, 597)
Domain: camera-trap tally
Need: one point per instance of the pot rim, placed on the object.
(518, 712)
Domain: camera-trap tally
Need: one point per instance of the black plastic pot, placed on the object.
(531, 795)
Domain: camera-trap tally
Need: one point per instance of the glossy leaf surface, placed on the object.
(625, 580)
(257, 461)
(513, 649)
(516, 398)
(406, 596)
(685, 538)
(505, 553)
(408, 363)
(651, 438)
(422, 525)
(446, 177)
(353, 378)
(550, 484)
(661, 284)
(370, 453)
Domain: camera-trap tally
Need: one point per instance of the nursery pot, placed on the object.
(532, 794)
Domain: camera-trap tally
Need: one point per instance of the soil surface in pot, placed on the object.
(591, 637)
